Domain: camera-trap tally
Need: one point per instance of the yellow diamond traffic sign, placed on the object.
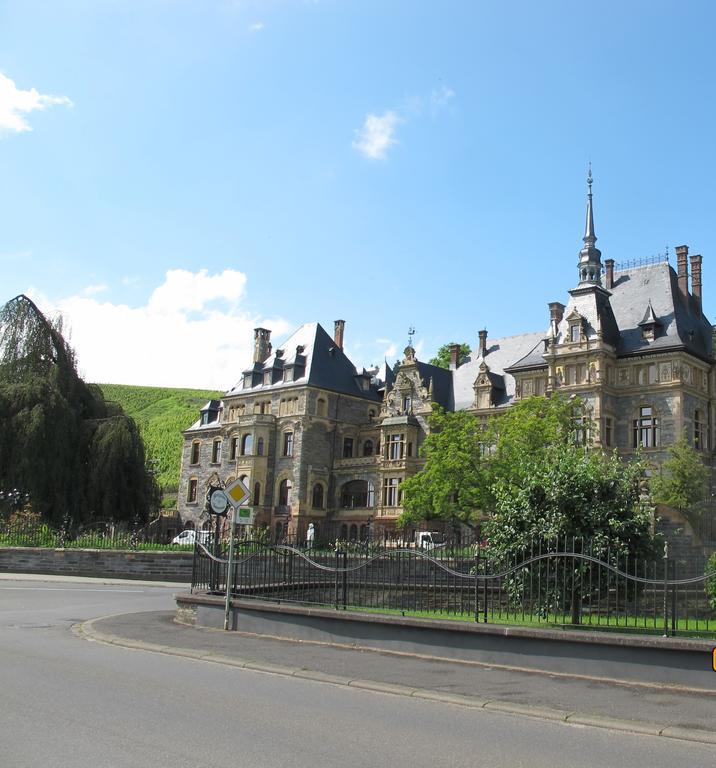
(237, 493)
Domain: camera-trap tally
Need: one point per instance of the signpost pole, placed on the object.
(230, 568)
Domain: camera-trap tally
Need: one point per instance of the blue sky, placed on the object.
(175, 172)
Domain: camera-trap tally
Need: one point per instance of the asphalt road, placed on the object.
(69, 702)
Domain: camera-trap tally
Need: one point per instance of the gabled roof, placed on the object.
(500, 355)
(326, 365)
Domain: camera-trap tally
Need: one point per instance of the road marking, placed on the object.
(68, 589)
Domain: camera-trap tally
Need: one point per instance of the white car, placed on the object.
(190, 536)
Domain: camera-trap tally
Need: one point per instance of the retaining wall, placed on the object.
(642, 659)
(116, 564)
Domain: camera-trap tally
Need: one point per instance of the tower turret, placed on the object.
(590, 257)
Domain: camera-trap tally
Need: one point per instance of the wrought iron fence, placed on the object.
(98, 535)
(561, 582)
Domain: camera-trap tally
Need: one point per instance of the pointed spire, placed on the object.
(590, 257)
(589, 237)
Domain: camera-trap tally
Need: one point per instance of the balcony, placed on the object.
(356, 461)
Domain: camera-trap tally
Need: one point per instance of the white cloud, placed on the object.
(390, 349)
(440, 98)
(192, 332)
(376, 135)
(15, 104)
(257, 27)
(93, 290)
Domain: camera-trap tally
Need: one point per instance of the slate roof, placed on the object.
(442, 383)
(501, 354)
(683, 324)
(326, 366)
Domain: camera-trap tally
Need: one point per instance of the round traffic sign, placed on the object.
(219, 502)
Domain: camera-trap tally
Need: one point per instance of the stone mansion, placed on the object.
(317, 440)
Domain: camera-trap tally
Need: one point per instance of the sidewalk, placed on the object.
(50, 579)
(655, 710)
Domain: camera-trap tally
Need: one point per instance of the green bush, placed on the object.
(710, 585)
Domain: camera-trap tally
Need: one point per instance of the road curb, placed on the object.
(87, 631)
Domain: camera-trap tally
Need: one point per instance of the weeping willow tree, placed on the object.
(78, 456)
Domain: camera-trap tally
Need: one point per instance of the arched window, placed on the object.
(257, 494)
(321, 407)
(216, 452)
(195, 452)
(344, 531)
(288, 443)
(317, 501)
(353, 532)
(191, 491)
(247, 444)
(368, 448)
(244, 479)
(363, 532)
(189, 525)
(260, 447)
(284, 493)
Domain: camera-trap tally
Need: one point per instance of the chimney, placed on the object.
(338, 334)
(609, 274)
(483, 342)
(696, 279)
(682, 269)
(262, 344)
(454, 356)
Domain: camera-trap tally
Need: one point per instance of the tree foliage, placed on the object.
(684, 479)
(78, 456)
(528, 476)
(568, 493)
(453, 483)
(442, 357)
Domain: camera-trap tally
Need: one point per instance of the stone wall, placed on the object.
(116, 564)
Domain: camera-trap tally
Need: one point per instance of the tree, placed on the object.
(529, 476)
(442, 357)
(684, 479)
(76, 455)
(568, 493)
(453, 484)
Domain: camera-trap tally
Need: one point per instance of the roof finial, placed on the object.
(411, 333)
(589, 237)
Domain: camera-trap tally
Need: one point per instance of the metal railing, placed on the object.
(98, 535)
(563, 583)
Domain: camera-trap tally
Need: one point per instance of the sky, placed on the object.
(174, 173)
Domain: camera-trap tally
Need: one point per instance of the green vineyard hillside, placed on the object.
(161, 413)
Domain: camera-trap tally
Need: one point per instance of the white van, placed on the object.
(429, 539)
(190, 536)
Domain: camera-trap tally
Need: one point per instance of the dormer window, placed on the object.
(575, 332)
(650, 325)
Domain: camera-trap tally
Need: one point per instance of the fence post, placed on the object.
(345, 580)
(666, 588)
(477, 583)
(336, 595)
(674, 620)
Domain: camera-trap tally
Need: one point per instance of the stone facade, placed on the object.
(317, 440)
